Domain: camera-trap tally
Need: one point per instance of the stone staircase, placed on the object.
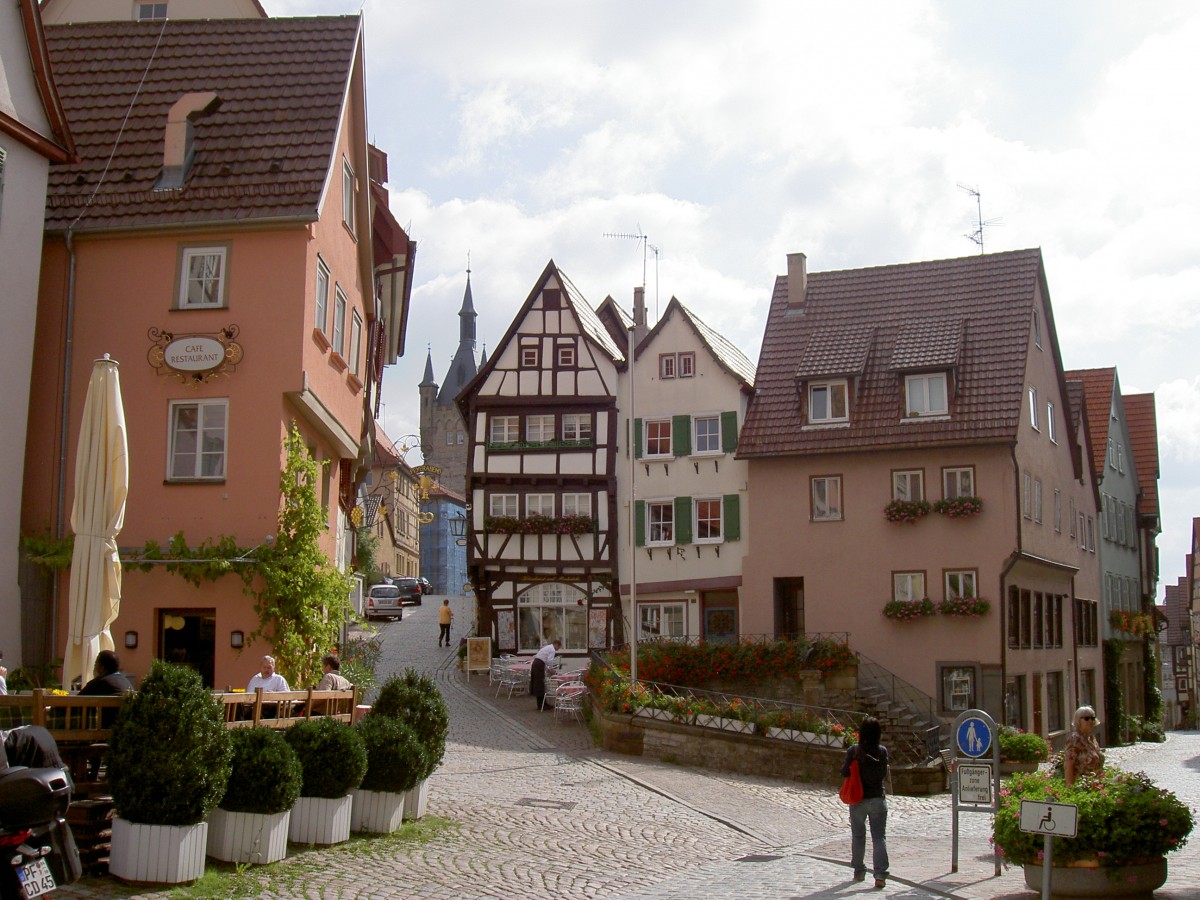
(912, 728)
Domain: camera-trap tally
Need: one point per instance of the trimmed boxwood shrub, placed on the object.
(168, 756)
(1018, 746)
(396, 758)
(414, 699)
(332, 756)
(265, 775)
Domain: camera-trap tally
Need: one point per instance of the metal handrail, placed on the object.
(900, 691)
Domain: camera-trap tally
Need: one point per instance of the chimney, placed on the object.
(178, 151)
(797, 278)
(639, 314)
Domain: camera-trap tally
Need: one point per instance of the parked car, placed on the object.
(426, 587)
(385, 601)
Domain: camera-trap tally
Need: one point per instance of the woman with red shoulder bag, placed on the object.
(872, 758)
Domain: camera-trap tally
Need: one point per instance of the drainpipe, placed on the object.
(64, 420)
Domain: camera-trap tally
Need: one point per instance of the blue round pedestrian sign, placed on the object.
(974, 737)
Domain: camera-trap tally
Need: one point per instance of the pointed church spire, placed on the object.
(463, 367)
(427, 378)
(466, 315)
(483, 356)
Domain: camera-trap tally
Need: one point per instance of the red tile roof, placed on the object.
(264, 153)
(972, 313)
(1098, 387)
(1143, 435)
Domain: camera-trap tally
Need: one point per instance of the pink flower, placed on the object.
(1162, 822)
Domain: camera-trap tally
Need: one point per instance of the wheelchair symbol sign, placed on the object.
(974, 737)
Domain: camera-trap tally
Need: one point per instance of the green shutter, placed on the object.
(683, 520)
(637, 438)
(729, 431)
(732, 524)
(639, 523)
(681, 435)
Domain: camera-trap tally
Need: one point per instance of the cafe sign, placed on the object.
(194, 358)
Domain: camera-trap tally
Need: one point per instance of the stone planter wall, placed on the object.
(835, 689)
(242, 837)
(747, 754)
(162, 854)
(1079, 880)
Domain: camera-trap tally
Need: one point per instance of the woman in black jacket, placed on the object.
(872, 759)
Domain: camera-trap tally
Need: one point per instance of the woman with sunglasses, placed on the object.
(1082, 755)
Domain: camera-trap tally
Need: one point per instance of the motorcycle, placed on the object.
(37, 849)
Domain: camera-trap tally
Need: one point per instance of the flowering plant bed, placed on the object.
(537, 524)
(1135, 623)
(959, 507)
(964, 607)
(907, 610)
(906, 511)
(1123, 819)
(1017, 746)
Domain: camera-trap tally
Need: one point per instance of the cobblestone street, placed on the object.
(541, 813)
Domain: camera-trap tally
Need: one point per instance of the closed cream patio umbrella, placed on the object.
(97, 514)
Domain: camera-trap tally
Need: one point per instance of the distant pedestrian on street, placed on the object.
(537, 672)
(445, 617)
(1082, 755)
(872, 759)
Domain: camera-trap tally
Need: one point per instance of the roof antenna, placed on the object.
(977, 235)
(644, 239)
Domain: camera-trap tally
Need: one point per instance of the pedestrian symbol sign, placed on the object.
(974, 737)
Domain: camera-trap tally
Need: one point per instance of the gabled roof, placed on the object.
(588, 320)
(59, 145)
(1143, 436)
(615, 320)
(976, 313)
(728, 356)
(264, 153)
(1098, 388)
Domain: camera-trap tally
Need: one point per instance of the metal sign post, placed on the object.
(1049, 819)
(975, 781)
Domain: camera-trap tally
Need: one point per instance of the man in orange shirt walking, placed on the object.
(445, 617)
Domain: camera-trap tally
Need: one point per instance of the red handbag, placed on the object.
(852, 789)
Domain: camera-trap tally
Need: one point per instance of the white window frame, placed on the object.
(687, 364)
(708, 436)
(1037, 500)
(1120, 457)
(830, 392)
(904, 482)
(577, 427)
(709, 503)
(565, 356)
(662, 620)
(340, 302)
(919, 396)
(204, 431)
(530, 356)
(1112, 454)
(549, 612)
(1058, 510)
(577, 504)
(1026, 495)
(507, 505)
(1051, 428)
(150, 12)
(823, 508)
(908, 586)
(666, 365)
(958, 481)
(539, 505)
(504, 429)
(355, 348)
(321, 311)
(660, 533)
(348, 194)
(539, 428)
(656, 424)
(190, 254)
(1033, 408)
(961, 583)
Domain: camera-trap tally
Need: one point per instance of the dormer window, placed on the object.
(926, 395)
(827, 402)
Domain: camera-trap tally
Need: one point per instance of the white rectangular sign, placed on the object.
(1040, 817)
(974, 783)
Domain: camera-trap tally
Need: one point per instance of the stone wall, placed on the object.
(834, 690)
(746, 754)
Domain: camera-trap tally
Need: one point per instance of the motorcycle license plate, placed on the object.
(35, 879)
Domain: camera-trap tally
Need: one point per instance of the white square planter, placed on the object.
(704, 720)
(416, 801)
(320, 820)
(163, 854)
(786, 734)
(651, 712)
(377, 811)
(243, 837)
(735, 725)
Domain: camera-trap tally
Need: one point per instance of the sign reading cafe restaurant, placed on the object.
(194, 358)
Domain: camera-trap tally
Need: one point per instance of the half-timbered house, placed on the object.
(541, 420)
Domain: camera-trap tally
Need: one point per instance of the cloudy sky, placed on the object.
(732, 133)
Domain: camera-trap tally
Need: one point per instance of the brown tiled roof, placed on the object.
(1143, 435)
(931, 344)
(264, 153)
(992, 295)
(836, 351)
(1098, 386)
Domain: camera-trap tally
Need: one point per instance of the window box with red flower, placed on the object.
(965, 607)
(1135, 623)
(907, 610)
(959, 507)
(906, 512)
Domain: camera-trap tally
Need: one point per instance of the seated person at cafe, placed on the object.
(537, 672)
(332, 680)
(267, 678)
(108, 680)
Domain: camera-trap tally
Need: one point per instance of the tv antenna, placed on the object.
(647, 247)
(977, 235)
